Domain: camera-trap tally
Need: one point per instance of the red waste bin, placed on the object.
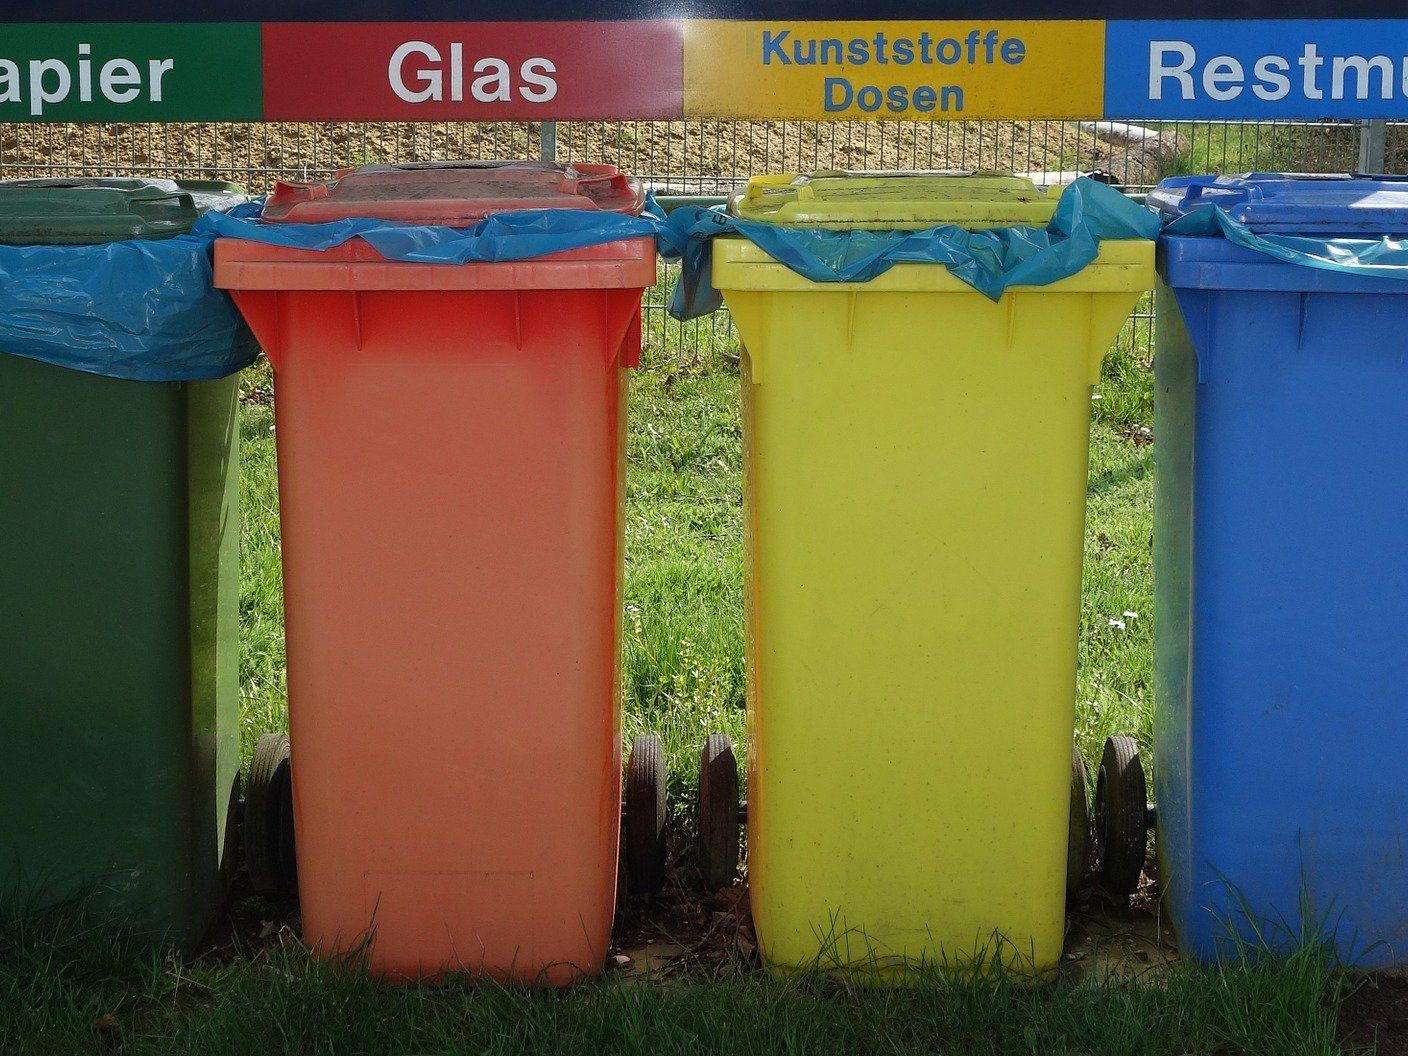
(451, 458)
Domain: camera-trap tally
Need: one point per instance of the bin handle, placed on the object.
(622, 186)
(299, 192)
(616, 180)
(759, 187)
(420, 166)
(184, 199)
(1222, 195)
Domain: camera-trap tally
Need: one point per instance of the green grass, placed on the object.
(63, 993)
(263, 685)
(1262, 147)
(64, 990)
(1114, 688)
(683, 644)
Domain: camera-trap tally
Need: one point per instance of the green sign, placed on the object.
(107, 72)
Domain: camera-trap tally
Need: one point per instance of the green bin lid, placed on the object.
(894, 201)
(88, 211)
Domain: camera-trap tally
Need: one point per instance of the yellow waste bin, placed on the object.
(916, 460)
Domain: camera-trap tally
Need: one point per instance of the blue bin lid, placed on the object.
(1294, 202)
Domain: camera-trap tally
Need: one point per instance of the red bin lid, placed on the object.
(454, 193)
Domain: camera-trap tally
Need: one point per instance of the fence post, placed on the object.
(1371, 146)
(547, 140)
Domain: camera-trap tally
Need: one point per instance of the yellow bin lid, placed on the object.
(894, 201)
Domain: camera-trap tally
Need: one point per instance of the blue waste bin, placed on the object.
(1281, 576)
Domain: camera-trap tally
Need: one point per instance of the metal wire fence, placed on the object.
(706, 158)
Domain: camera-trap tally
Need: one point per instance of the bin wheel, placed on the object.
(645, 816)
(230, 841)
(268, 818)
(1078, 840)
(1121, 812)
(719, 842)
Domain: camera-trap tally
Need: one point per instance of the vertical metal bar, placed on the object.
(547, 140)
(1371, 145)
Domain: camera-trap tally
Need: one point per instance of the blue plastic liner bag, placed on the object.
(989, 260)
(140, 309)
(515, 235)
(1351, 224)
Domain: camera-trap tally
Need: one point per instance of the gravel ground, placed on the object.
(696, 157)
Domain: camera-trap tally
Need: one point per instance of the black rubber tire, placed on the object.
(1121, 809)
(1078, 839)
(643, 840)
(268, 818)
(231, 840)
(719, 830)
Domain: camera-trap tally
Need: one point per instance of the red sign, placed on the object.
(473, 71)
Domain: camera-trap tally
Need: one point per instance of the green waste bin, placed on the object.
(119, 570)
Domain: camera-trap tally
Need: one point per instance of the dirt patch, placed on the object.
(1375, 1017)
(683, 930)
(1138, 435)
(251, 924)
(1114, 939)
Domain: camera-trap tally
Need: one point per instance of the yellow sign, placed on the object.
(850, 71)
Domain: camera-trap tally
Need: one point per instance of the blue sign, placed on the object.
(1301, 69)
